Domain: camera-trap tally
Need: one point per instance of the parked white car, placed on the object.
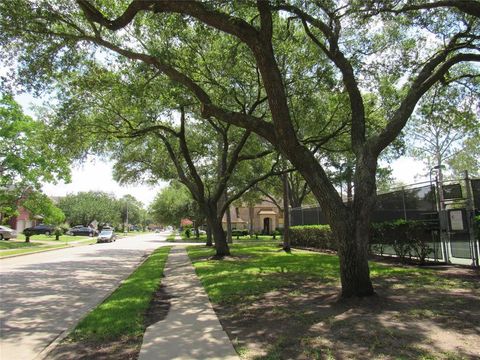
(106, 236)
(6, 233)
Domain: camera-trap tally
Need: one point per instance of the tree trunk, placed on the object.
(27, 238)
(350, 225)
(221, 245)
(353, 255)
(215, 224)
(349, 182)
(251, 214)
(209, 235)
(228, 215)
(286, 214)
(354, 234)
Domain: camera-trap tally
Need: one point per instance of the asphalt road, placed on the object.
(44, 294)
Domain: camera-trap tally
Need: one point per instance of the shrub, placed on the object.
(187, 233)
(407, 238)
(28, 234)
(237, 232)
(275, 234)
(314, 236)
(58, 232)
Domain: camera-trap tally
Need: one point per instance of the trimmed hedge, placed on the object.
(313, 236)
(407, 238)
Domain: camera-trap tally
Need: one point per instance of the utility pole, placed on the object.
(126, 225)
(442, 214)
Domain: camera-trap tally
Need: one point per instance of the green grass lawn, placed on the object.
(257, 270)
(40, 243)
(63, 238)
(171, 237)
(261, 288)
(122, 313)
(7, 245)
(236, 239)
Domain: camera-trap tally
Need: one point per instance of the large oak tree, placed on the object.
(398, 52)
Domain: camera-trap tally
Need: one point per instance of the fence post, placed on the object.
(470, 215)
(404, 206)
(442, 217)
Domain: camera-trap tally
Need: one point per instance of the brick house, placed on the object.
(263, 218)
(22, 221)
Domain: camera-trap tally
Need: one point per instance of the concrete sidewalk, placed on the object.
(191, 329)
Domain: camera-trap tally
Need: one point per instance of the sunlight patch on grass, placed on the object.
(258, 269)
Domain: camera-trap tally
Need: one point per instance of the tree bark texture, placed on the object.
(228, 216)
(286, 213)
(251, 214)
(220, 240)
(209, 235)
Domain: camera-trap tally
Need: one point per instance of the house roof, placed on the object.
(267, 212)
(234, 221)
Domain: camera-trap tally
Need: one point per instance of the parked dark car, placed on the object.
(106, 236)
(82, 231)
(40, 229)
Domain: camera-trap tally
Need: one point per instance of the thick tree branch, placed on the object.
(252, 183)
(432, 73)
(201, 11)
(186, 153)
(254, 156)
(470, 7)
(334, 53)
(228, 170)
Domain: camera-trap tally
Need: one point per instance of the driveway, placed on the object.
(42, 295)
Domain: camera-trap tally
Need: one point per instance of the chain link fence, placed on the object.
(421, 201)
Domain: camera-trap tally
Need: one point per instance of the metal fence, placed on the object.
(417, 202)
(476, 193)
(450, 216)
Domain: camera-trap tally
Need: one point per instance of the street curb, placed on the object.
(50, 347)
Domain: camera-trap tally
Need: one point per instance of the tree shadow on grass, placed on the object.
(308, 321)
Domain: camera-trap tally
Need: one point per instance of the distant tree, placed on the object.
(130, 209)
(172, 204)
(446, 131)
(85, 207)
(26, 158)
(467, 159)
(145, 219)
(40, 205)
